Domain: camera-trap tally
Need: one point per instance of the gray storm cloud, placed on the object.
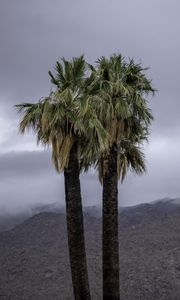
(33, 35)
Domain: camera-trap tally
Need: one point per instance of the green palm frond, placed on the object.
(121, 89)
(67, 115)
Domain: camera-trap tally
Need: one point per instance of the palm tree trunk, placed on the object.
(110, 228)
(75, 229)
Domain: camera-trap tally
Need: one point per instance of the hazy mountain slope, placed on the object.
(34, 256)
(10, 220)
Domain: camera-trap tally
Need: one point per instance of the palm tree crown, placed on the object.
(119, 88)
(66, 115)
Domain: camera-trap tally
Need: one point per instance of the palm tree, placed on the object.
(65, 120)
(119, 88)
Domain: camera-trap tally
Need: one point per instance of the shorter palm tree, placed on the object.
(66, 121)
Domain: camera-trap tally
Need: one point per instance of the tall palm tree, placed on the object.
(65, 120)
(119, 88)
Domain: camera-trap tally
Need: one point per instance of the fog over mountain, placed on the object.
(10, 219)
(33, 35)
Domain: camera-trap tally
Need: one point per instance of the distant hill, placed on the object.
(10, 220)
(34, 259)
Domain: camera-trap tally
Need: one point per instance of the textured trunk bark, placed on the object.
(75, 229)
(110, 228)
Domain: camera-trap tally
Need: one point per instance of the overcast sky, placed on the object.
(33, 35)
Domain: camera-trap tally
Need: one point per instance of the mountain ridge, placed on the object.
(10, 220)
